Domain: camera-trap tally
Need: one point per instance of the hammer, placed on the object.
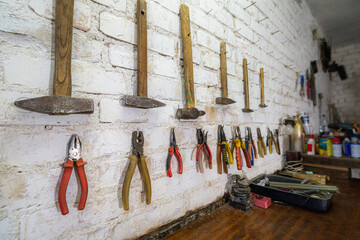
(246, 87)
(190, 112)
(224, 100)
(141, 100)
(61, 103)
(262, 103)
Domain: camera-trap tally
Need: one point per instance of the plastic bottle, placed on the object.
(337, 148)
(324, 129)
(355, 147)
(347, 147)
(306, 122)
(311, 146)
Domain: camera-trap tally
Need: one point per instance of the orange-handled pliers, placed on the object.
(202, 145)
(74, 157)
(173, 149)
(251, 146)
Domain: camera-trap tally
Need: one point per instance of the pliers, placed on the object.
(173, 149)
(137, 158)
(261, 144)
(225, 149)
(202, 144)
(238, 143)
(251, 146)
(218, 153)
(74, 156)
(270, 141)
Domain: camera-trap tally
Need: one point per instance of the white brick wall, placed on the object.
(345, 93)
(104, 69)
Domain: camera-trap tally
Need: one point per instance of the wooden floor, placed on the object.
(342, 221)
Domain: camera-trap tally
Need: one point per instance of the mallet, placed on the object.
(190, 112)
(141, 100)
(246, 87)
(61, 102)
(224, 100)
(262, 104)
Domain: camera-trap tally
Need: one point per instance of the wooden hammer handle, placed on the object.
(224, 86)
(63, 44)
(262, 85)
(187, 53)
(142, 49)
(246, 83)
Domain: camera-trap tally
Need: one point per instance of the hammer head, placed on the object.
(262, 105)
(189, 113)
(224, 101)
(142, 102)
(247, 110)
(57, 105)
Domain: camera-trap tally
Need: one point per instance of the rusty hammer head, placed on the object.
(262, 105)
(247, 110)
(224, 101)
(141, 102)
(189, 113)
(57, 105)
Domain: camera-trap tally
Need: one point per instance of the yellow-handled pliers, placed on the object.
(261, 144)
(270, 141)
(225, 149)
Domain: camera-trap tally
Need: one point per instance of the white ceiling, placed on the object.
(340, 19)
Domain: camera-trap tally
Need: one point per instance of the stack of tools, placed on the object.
(239, 191)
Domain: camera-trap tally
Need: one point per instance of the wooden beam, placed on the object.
(333, 161)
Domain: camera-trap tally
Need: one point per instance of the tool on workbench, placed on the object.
(302, 91)
(74, 158)
(61, 102)
(270, 141)
(262, 103)
(203, 146)
(137, 158)
(251, 147)
(224, 100)
(141, 100)
(302, 176)
(246, 88)
(276, 134)
(261, 144)
(190, 112)
(173, 149)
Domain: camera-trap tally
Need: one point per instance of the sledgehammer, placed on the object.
(141, 100)
(190, 112)
(61, 103)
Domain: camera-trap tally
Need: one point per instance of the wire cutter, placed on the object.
(270, 141)
(137, 158)
(202, 142)
(261, 144)
(239, 143)
(74, 157)
(218, 153)
(173, 149)
(251, 146)
(225, 149)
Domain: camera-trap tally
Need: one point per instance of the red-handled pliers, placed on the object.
(173, 149)
(202, 141)
(74, 157)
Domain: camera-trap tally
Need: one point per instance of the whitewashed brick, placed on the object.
(119, 5)
(35, 72)
(161, 43)
(163, 66)
(122, 55)
(163, 18)
(117, 27)
(172, 5)
(207, 40)
(211, 60)
(205, 76)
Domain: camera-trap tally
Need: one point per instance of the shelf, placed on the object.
(332, 161)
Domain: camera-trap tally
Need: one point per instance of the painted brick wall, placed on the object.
(346, 93)
(275, 35)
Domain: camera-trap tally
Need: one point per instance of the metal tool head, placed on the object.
(74, 148)
(57, 105)
(263, 105)
(269, 132)
(222, 133)
(200, 136)
(172, 137)
(259, 134)
(276, 133)
(224, 101)
(247, 110)
(205, 137)
(138, 143)
(219, 134)
(236, 132)
(189, 113)
(141, 102)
